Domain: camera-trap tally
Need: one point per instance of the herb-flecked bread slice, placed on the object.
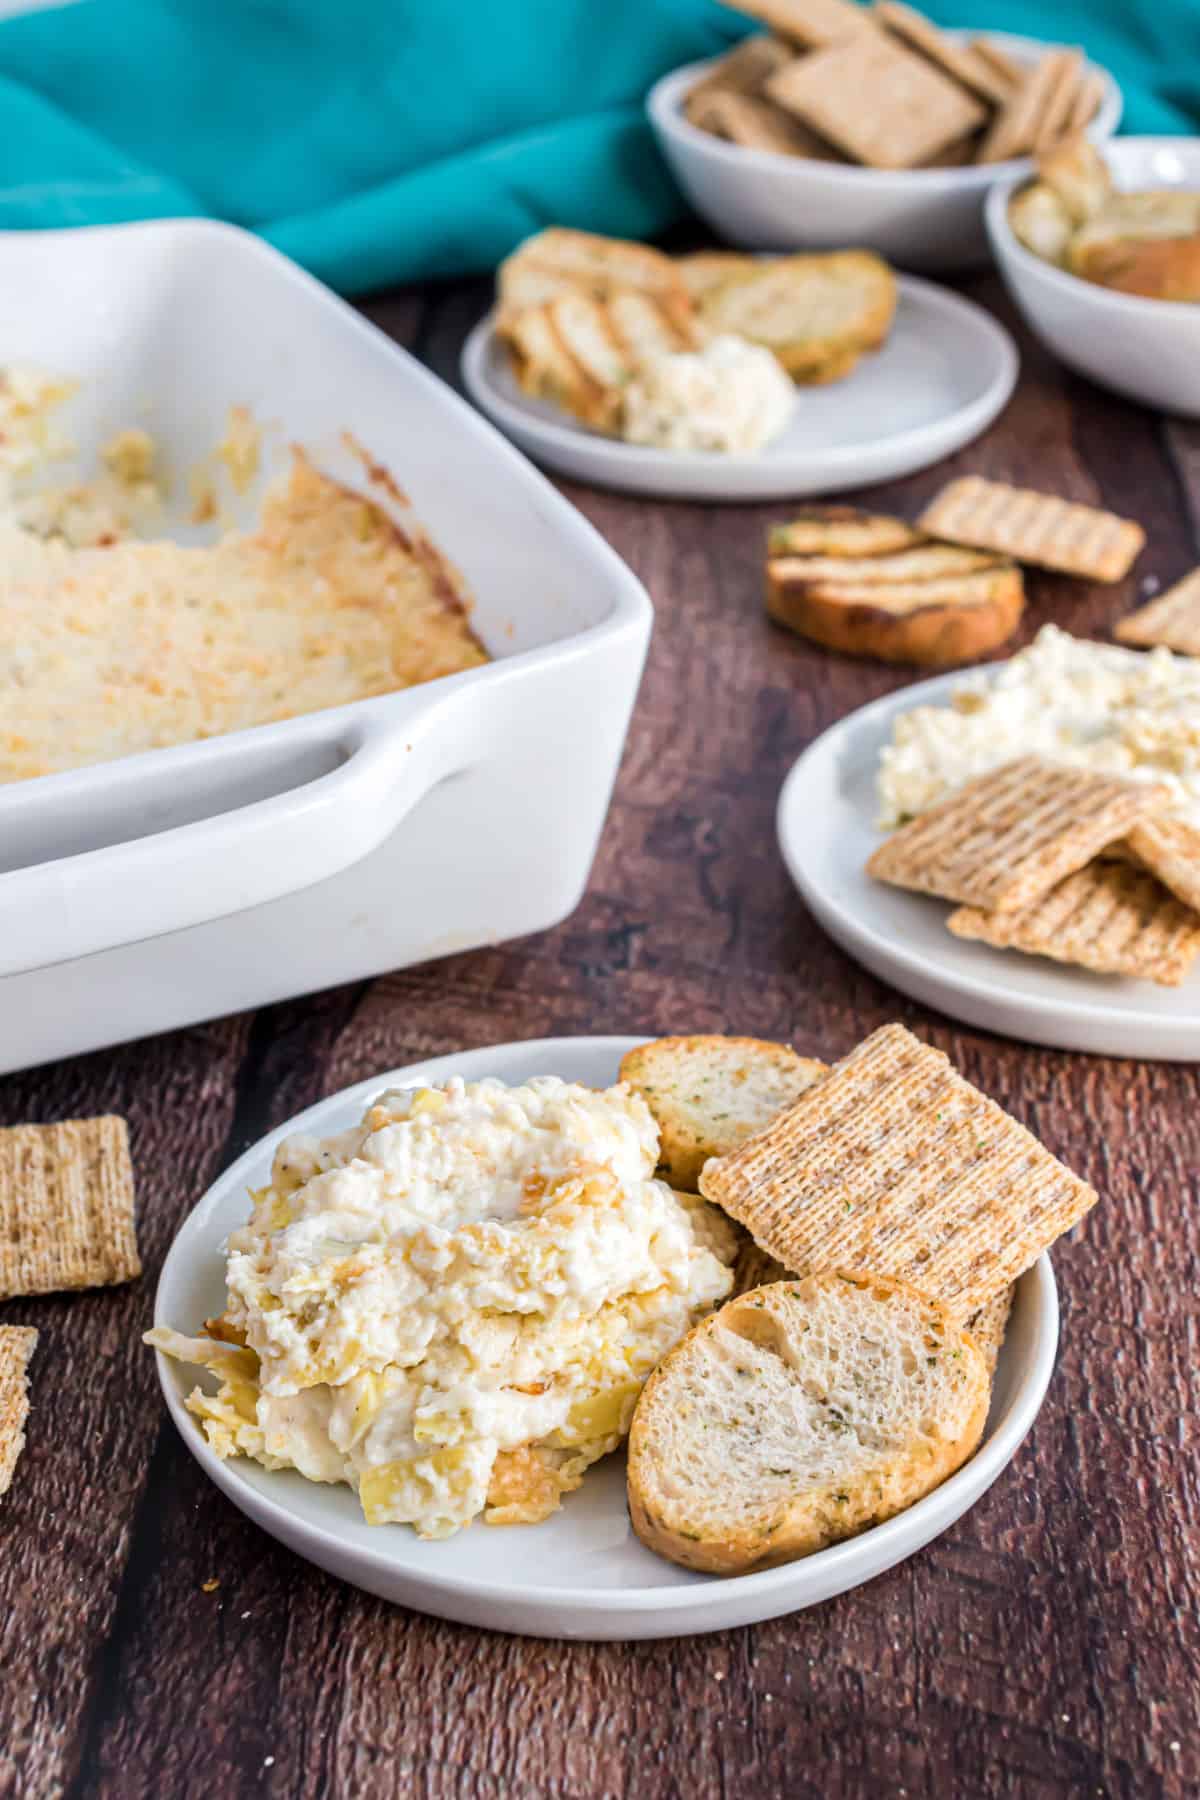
(709, 1094)
(800, 1414)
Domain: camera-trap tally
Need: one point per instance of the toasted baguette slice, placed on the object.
(843, 531)
(709, 1094)
(581, 354)
(558, 261)
(936, 620)
(704, 270)
(1040, 220)
(1078, 175)
(800, 1414)
(808, 309)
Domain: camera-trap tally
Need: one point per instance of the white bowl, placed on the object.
(920, 218)
(1148, 349)
(582, 1573)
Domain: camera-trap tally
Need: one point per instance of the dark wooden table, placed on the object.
(1047, 1645)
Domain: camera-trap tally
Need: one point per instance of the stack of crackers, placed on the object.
(1172, 619)
(582, 315)
(66, 1221)
(884, 88)
(893, 1164)
(1083, 868)
(948, 589)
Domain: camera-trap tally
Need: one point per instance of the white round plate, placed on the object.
(826, 825)
(581, 1574)
(945, 372)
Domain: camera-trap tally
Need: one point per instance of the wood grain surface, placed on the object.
(1047, 1645)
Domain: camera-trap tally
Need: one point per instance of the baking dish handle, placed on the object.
(156, 882)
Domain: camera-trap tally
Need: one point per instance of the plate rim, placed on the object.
(296, 1532)
(828, 465)
(971, 987)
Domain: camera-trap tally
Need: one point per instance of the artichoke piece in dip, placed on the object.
(731, 396)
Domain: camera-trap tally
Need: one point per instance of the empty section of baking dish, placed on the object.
(181, 883)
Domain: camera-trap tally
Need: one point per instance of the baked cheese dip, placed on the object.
(111, 644)
(453, 1306)
(1094, 706)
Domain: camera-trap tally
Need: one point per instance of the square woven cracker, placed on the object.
(1021, 121)
(1034, 528)
(881, 104)
(1055, 121)
(17, 1343)
(897, 1165)
(66, 1207)
(758, 124)
(962, 62)
(989, 1325)
(1172, 619)
(1110, 917)
(810, 23)
(1170, 849)
(1007, 837)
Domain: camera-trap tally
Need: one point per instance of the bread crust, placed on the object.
(934, 636)
(817, 1517)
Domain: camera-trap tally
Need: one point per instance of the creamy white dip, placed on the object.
(730, 396)
(1095, 706)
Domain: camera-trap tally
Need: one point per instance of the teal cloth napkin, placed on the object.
(385, 140)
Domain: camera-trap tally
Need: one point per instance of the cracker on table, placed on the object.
(1173, 619)
(1170, 849)
(896, 1164)
(1015, 129)
(66, 1207)
(961, 62)
(1111, 917)
(881, 104)
(17, 1344)
(1034, 528)
(1007, 837)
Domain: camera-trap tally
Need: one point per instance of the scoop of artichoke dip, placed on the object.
(731, 396)
(453, 1306)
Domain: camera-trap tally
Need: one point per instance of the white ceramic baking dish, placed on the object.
(183, 883)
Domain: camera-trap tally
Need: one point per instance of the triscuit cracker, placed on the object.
(1110, 917)
(1018, 125)
(881, 104)
(1059, 108)
(962, 62)
(1172, 619)
(896, 1164)
(989, 1325)
(809, 23)
(1006, 838)
(17, 1344)
(743, 71)
(1088, 96)
(999, 61)
(1170, 849)
(758, 124)
(1034, 528)
(66, 1207)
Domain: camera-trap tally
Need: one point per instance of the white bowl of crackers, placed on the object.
(843, 125)
(1102, 255)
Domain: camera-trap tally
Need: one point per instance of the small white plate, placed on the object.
(826, 824)
(581, 1574)
(945, 372)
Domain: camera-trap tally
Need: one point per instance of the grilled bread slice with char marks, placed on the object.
(871, 586)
